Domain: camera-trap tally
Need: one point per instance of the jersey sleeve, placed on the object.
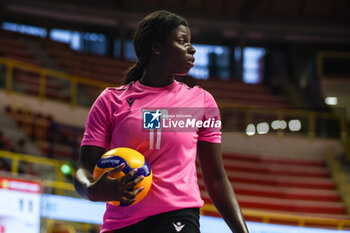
(212, 114)
(98, 125)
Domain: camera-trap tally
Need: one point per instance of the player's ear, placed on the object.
(156, 47)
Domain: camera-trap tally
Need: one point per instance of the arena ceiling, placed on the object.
(304, 20)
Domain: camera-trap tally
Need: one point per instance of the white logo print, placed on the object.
(156, 115)
(178, 226)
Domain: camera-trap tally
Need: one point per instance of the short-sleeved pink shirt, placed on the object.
(116, 120)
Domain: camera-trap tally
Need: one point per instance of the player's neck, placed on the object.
(156, 79)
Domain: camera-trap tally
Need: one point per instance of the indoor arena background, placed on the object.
(279, 71)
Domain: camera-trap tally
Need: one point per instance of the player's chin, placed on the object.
(184, 71)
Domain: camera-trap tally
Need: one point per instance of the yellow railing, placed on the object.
(11, 64)
(339, 177)
(299, 220)
(281, 114)
(43, 73)
(17, 158)
(54, 226)
(320, 73)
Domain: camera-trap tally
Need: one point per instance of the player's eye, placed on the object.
(181, 41)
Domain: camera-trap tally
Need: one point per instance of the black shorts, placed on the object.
(178, 221)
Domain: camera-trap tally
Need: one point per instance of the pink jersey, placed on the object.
(120, 117)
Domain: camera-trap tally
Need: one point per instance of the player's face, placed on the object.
(177, 52)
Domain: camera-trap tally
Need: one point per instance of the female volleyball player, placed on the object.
(163, 48)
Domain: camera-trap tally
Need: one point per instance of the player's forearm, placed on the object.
(82, 181)
(224, 199)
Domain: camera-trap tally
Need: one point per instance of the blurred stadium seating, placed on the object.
(297, 185)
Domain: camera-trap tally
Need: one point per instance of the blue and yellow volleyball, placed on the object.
(132, 159)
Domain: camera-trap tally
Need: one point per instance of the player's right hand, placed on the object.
(107, 188)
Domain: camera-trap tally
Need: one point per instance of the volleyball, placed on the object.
(132, 159)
